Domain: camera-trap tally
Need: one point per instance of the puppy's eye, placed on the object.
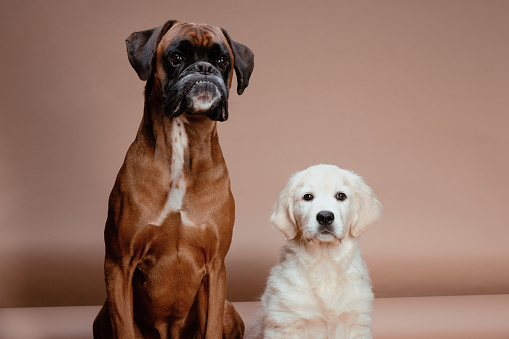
(308, 196)
(176, 58)
(340, 196)
(223, 61)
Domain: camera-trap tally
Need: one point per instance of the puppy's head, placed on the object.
(192, 65)
(325, 203)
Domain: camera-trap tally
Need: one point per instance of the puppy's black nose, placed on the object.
(325, 218)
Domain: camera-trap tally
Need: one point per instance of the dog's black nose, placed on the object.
(204, 68)
(325, 218)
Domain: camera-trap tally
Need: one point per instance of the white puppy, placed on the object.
(321, 287)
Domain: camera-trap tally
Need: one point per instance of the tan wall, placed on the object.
(413, 95)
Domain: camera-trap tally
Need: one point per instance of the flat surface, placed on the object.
(465, 317)
(457, 317)
(461, 317)
(47, 322)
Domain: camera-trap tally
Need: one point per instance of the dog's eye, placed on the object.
(223, 61)
(176, 58)
(340, 196)
(308, 196)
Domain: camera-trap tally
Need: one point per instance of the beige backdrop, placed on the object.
(412, 95)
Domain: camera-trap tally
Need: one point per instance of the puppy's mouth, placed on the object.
(324, 236)
(328, 236)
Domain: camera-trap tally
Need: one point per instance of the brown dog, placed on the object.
(171, 210)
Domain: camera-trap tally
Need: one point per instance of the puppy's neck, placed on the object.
(339, 255)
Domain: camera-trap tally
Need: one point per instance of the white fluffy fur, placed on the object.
(321, 287)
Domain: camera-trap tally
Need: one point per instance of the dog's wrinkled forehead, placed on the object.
(199, 35)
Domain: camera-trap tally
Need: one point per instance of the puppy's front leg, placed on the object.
(281, 333)
(358, 326)
(361, 333)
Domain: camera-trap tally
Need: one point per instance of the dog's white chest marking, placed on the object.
(179, 145)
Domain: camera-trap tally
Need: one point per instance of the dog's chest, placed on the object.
(179, 146)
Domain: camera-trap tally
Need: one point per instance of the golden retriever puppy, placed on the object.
(321, 287)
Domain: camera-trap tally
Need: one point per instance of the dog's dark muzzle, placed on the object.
(200, 90)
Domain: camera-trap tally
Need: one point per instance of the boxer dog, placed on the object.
(171, 210)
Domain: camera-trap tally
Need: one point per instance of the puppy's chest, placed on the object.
(328, 286)
(325, 285)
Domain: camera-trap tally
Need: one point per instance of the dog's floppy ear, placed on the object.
(243, 62)
(282, 215)
(142, 46)
(367, 208)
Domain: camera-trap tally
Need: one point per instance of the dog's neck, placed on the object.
(184, 150)
(196, 134)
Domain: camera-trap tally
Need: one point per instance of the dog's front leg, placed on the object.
(120, 298)
(233, 325)
(119, 277)
(216, 299)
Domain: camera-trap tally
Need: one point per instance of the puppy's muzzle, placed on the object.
(325, 220)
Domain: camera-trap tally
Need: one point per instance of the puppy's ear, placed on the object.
(243, 62)
(282, 215)
(141, 48)
(367, 208)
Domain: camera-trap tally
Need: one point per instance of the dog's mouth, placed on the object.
(197, 95)
(203, 97)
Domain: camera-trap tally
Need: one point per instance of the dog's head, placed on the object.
(325, 203)
(192, 64)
